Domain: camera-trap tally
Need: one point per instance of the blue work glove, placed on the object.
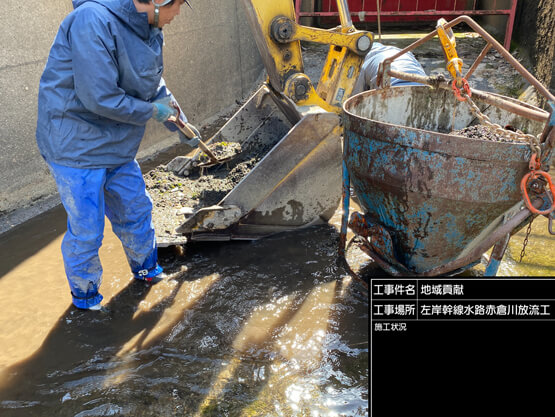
(193, 142)
(162, 109)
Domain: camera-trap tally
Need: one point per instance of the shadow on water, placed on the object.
(238, 329)
(77, 346)
(15, 246)
(282, 352)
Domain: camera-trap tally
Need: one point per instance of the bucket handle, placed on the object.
(386, 63)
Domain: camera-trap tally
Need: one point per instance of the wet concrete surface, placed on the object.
(273, 327)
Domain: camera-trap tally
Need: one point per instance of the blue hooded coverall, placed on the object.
(95, 97)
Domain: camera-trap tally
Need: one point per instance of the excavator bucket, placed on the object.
(297, 183)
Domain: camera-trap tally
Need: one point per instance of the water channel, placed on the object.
(273, 327)
(266, 328)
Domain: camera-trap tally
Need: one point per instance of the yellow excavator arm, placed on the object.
(297, 183)
(278, 37)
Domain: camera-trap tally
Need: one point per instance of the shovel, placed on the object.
(187, 131)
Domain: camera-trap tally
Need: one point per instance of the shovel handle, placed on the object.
(187, 131)
(190, 134)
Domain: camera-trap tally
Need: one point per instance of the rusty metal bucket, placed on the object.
(428, 195)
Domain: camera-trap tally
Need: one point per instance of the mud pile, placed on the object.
(176, 197)
(482, 132)
(222, 151)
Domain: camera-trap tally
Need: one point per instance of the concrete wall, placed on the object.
(525, 35)
(210, 61)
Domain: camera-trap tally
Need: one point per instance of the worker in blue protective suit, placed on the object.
(101, 84)
(369, 70)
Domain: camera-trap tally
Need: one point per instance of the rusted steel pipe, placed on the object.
(497, 256)
(506, 54)
(387, 61)
(491, 40)
(477, 61)
(346, 196)
(495, 236)
(386, 266)
(539, 116)
(499, 248)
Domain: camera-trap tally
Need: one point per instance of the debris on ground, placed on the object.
(175, 197)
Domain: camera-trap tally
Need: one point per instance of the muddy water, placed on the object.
(539, 259)
(268, 328)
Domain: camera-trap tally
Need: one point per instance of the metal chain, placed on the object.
(516, 136)
(523, 251)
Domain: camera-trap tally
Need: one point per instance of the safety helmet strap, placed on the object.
(157, 10)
